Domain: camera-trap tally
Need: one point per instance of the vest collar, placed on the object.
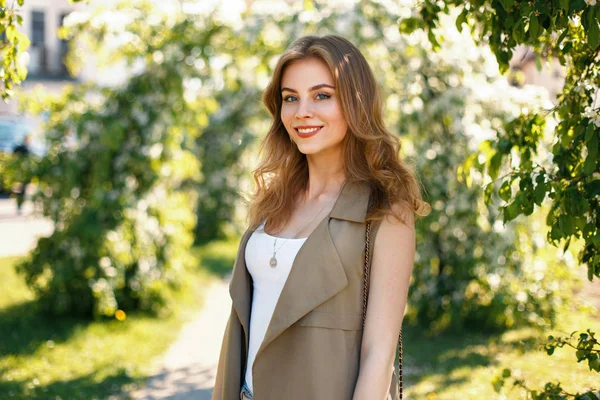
(352, 203)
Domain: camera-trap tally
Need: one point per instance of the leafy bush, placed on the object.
(112, 184)
(115, 245)
(471, 271)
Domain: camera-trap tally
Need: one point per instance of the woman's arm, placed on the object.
(391, 268)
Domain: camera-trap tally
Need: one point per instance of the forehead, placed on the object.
(305, 73)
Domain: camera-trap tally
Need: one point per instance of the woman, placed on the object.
(295, 329)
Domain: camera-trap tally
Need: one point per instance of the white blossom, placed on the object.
(593, 114)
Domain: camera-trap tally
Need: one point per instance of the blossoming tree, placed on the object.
(570, 32)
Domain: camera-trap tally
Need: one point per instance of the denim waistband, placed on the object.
(246, 393)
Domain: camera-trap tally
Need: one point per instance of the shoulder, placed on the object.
(402, 214)
(396, 230)
(400, 218)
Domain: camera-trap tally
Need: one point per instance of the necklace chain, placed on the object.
(273, 261)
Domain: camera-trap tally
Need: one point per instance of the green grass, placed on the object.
(217, 257)
(64, 358)
(42, 357)
(462, 366)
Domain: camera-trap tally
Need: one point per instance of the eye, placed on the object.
(323, 96)
(289, 98)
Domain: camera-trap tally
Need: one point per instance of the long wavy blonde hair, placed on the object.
(371, 152)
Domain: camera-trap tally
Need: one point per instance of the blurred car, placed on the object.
(12, 134)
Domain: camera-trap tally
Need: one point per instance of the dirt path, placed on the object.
(188, 369)
(19, 233)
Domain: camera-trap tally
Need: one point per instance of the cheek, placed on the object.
(332, 111)
(286, 115)
(335, 115)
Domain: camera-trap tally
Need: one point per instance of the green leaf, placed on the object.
(594, 34)
(534, 28)
(23, 43)
(590, 17)
(539, 193)
(503, 58)
(567, 244)
(524, 202)
(566, 224)
(507, 4)
(487, 193)
(592, 188)
(494, 165)
(562, 36)
(409, 25)
(435, 44)
(3, 3)
(526, 184)
(589, 132)
(20, 2)
(461, 19)
(504, 145)
(497, 382)
(577, 5)
(564, 4)
(588, 166)
(11, 33)
(505, 192)
(518, 32)
(595, 365)
(596, 239)
(511, 211)
(592, 146)
(588, 230)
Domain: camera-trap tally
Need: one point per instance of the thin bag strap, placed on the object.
(365, 297)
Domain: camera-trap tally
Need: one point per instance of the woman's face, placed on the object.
(310, 110)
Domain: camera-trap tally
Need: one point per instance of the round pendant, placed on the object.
(273, 262)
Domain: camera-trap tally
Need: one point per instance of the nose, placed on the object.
(304, 110)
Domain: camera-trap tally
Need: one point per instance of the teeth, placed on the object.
(309, 130)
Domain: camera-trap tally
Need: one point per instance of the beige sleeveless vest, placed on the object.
(311, 348)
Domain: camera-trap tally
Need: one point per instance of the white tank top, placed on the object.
(268, 283)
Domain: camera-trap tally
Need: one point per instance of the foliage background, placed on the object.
(207, 74)
(137, 173)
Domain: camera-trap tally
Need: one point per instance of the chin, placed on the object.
(307, 149)
(314, 150)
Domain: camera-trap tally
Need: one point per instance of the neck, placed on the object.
(325, 178)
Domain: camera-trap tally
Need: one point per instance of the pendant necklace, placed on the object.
(273, 260)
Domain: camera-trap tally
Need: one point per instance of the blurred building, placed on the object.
(524, 71)
(41, 21)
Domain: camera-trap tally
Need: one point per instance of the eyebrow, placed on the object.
(319, 86)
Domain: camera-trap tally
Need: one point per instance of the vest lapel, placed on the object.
(240, 287)
(317, 272)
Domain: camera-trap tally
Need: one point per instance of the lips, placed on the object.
(307, 131)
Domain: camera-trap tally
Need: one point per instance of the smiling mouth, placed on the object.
(306, 132)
